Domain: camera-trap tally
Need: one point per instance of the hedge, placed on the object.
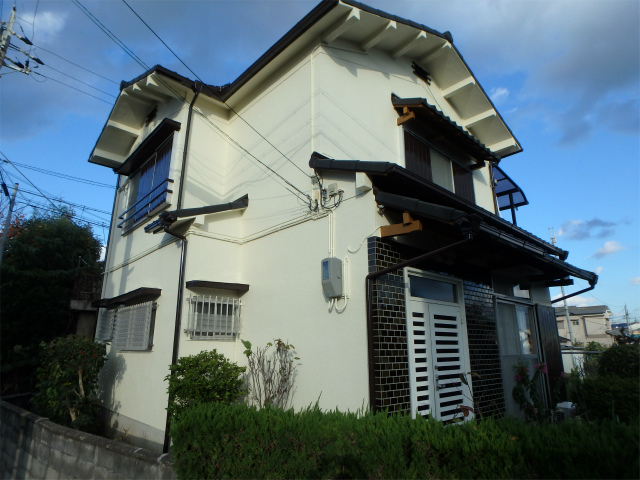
(236, 441)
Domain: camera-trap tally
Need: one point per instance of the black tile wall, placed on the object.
(391, 374)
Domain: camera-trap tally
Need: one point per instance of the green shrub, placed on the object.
(609, 397)
(236, 441)
(620, 360)
(206, 377)
(68, 379)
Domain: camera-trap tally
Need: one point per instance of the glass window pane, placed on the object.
(527, 341)
(441, 170)
(507, 331)
(432, 289)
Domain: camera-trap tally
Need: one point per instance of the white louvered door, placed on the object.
(437, 347)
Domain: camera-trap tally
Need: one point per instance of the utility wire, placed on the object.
(228, 106)
(67, 177)
(78, 80)
(158, 37)
(76, 65)
(77, 205)
(141, 62)
(74, 88)
(110, 34)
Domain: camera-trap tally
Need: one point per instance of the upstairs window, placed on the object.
(432, 165)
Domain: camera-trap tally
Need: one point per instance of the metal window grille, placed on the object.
(213, 317)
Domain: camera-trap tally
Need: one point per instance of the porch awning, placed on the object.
(499, 245)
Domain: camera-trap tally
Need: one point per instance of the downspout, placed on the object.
(469, 236)
(593, 285)
(183, 256)
(178, 323)
(185, 150)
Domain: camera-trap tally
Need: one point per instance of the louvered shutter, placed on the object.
(104, 330)
(132, 327)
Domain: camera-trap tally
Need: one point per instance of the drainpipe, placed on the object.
(591, 287)
(197, 88)
(183, 256)
(176, 331)
(469, 234)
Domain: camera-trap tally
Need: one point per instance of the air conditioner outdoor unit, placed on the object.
(564, 411)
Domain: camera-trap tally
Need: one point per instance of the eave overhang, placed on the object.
(134, 296)
(401, 190)
(429, 116)
(164, 129)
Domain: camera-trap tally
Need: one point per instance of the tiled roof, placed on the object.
(594, 310)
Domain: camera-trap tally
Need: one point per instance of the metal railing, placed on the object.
(146, 205)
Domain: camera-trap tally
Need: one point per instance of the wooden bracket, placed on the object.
(408, 115)
(408, 225)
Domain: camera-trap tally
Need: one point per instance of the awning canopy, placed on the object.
(499, 245)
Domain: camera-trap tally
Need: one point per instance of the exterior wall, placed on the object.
(590, 328)
(34, 447)
(390, 336)
(276, 244)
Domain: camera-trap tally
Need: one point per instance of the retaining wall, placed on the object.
(34, 447)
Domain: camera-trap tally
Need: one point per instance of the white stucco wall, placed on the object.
(332, 100)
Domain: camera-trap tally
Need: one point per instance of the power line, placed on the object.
(76, 65)
(158, 37)
(228, 106)
(74, 88)
(67, 177)
(77, 205)
(41, 207)
(78, 80)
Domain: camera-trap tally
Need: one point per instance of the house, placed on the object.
(339, 194)
(588, 324)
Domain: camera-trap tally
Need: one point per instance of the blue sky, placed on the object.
(564, 74)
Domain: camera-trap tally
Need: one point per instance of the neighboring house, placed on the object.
(339, 195)
(588, 324)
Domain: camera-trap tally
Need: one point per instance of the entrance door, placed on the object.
(437, 346)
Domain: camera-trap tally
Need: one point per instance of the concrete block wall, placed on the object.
(34, 447)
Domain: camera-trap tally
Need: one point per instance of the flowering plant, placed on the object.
(526, 393)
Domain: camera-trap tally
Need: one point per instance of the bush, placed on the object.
(609, 397)
(236, 441)
(68, 379)
(620, 360)
(203, 378)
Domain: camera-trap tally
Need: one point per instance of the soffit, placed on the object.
(133, 113)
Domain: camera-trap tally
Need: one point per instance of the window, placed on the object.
(516, 329)
(432, 165)
(128, 328)
(149, 186)
(575, 322)
(213, 317)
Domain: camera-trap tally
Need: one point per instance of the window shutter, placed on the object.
(463, 181)
(132, 327)
(104, 330)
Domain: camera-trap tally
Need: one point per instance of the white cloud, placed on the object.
(499, 94)
(577, 301)
(597, 270)
(608, 248)
(581, 301)
(635, 280)
(47, 26)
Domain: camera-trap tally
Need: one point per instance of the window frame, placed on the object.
(228, 328)
(461, 177)
(132, 217)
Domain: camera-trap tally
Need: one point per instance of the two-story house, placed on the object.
(588, 324)
(343, 194)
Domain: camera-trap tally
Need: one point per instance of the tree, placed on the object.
(43, 257)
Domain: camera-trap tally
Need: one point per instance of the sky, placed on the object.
(564, 75)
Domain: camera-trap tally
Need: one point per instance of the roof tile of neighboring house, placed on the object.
(594, 310)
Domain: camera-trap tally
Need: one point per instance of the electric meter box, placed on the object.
(332, 277)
